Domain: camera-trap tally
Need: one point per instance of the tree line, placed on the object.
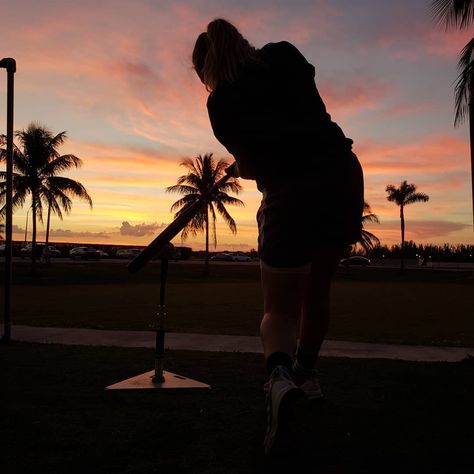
(438, 253)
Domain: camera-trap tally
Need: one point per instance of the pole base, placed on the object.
(145, 382)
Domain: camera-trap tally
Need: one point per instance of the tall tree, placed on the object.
(460, 14)
(403, 196)
(203, 173)
(36, 160)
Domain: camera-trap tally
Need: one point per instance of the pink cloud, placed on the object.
(407, 109)
(428, 155)
(447, 44)
(356, 96)
(419, 231)
(140, 230)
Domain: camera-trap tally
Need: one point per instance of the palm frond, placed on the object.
(393, 193)
(69, 187)
(57, 199)
(182, 189)
(226, 199)
(231, 186)
(416, 197)
(368, 241)
(184, 202)
(370, 218)
(464, 83)
(453, 13)
(56, 207)
(57, 141)
(227, 217)
(190, 165)
(61, 163)
(18, 201)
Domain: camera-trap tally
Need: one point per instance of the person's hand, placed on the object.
(233, 170)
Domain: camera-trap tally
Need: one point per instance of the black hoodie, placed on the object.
(273, 120)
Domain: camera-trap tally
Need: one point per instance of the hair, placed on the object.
(220, 52)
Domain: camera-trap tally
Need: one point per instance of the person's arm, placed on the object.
(233, 132)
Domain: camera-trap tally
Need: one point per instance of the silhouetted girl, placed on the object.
(264, 107)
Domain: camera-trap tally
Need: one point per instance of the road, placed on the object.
(389, 264)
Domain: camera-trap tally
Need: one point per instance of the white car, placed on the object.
(127, 253)
(240, 257)
(355, 260)
(222, 257)
(84, 253)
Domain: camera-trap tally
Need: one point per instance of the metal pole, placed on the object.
(471, 138)
(10, 65)
(158, 377)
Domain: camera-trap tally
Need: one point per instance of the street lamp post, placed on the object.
(10, 65)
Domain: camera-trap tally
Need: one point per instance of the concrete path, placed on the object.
(208, 342)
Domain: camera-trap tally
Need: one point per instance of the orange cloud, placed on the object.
(436, 231)
(430, 154)
(356, 96)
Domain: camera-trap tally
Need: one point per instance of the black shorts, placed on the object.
(299, 215)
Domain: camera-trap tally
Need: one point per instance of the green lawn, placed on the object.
(379, 416)
(378, 305)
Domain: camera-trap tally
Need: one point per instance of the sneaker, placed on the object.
(282, 395)
(308, 381)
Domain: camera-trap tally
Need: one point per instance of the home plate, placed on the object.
(145, 382)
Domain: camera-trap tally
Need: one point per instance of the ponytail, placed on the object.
(220, 53)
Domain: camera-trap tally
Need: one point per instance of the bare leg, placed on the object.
(283, 294)
(316, 303)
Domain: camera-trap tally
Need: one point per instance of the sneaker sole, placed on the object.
(291, 413)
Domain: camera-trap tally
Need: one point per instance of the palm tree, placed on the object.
(59, 190)
(203, 173)
(36, 162)
(460, 14)
(368, 240)
(402, 196)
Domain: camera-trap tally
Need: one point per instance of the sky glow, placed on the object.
(117, 76)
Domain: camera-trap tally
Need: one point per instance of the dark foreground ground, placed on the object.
(379, 416)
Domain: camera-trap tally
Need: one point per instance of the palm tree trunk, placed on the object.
(46, 248)
(402, 248)
(47, 225)
(206, 267)
(33, 235)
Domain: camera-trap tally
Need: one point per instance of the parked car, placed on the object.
(356, 260)
(222, 257)
(104, 254)
(240, 257)
(127, 253)
(183, 253)
(26, 250)
(84, 253)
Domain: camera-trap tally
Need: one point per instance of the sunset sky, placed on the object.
(117, 76)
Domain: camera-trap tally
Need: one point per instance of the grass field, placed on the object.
(379, 416)
(371, 304)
